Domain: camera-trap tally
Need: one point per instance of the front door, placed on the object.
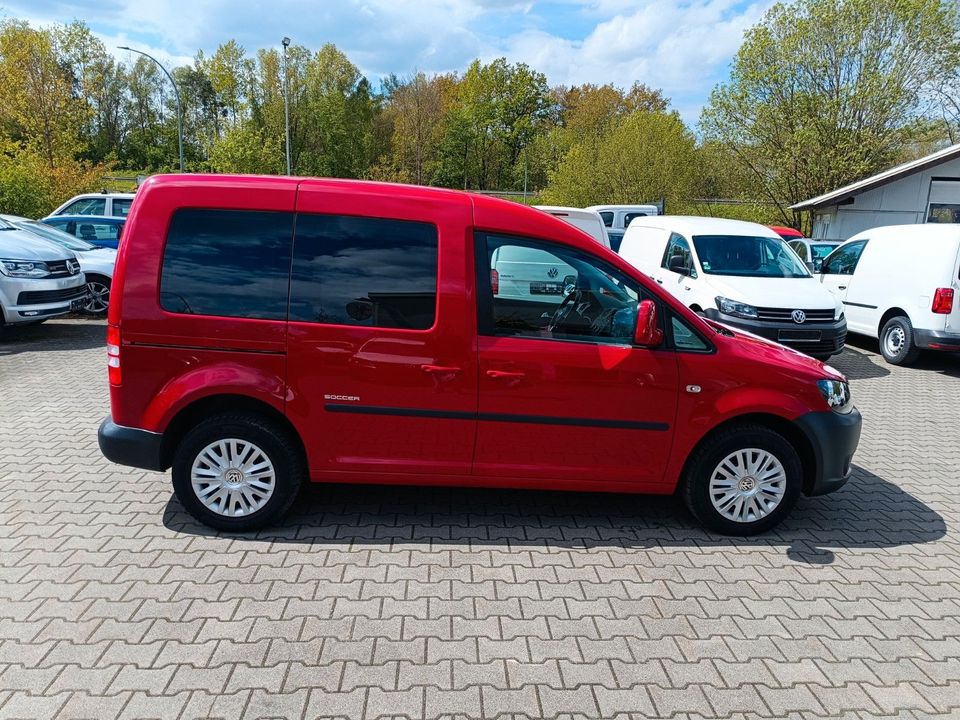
(677, 271)
(382, 367)
(563, 393)
(836, 274)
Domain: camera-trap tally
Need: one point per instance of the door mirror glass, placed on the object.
(647, 333)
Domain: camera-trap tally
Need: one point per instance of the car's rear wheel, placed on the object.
(237, 472)
(896, 341)
(743, 480)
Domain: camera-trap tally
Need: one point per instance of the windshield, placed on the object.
(745, 256)
(58, 236)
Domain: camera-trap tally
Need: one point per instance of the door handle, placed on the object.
(841, 287)
(440, 369)
(659, 281)
(505, 375)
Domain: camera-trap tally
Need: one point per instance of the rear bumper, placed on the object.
(829, 339)
(130, 446)
(937, 340)
(834, 438)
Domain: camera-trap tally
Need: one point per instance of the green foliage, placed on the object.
(824, 92)
(647, 157)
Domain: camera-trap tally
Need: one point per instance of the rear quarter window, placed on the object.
(229, 263)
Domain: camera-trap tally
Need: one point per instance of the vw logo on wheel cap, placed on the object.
(798, 316)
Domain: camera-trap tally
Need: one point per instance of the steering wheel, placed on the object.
(562, 312)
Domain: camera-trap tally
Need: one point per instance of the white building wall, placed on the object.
(900, 202)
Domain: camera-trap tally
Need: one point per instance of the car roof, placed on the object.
(932, 230)
(561, 211)
(689, 225)
(490, 214)
(89, 218)
(121, 195)
(642, 206)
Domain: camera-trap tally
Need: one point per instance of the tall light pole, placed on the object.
(176, 94)
(286, 103)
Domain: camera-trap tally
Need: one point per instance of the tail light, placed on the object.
(494, 281)
(942, 301)
(113, 354)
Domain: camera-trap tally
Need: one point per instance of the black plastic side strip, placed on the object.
(497, 417)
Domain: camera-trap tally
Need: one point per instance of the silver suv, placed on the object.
(38, 279)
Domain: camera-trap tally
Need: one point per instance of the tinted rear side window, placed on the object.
(232, 263)
(364, 271)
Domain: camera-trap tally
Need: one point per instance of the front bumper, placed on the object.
(130, 446)
(937, 340)
(824, 338)
(27, 299)
(834, 438)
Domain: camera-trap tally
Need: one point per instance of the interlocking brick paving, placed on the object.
(423, 603)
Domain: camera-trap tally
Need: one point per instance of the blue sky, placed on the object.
(681, 46)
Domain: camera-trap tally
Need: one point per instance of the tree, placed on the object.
(824, 92)
(648, 156)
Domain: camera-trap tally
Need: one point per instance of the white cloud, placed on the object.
(681, 46)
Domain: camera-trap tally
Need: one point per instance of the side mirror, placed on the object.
(678, 265)
(647, 333)
(811, 266)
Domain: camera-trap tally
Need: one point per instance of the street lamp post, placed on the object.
(176, 94)
(286, 103)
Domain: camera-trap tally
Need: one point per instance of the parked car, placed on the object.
(269, 330)
(739, 273)
(617, 219)
(899, 284)
(114, 204)
(38, 279)
(100, 231)
(787, 233)
(96, 263)
(585, 220)
(813, 252)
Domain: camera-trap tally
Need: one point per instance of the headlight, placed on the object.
(24, 268)
(732, 307)
(837, 394)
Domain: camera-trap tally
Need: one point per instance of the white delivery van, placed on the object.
(586, 220)
(617, 219)
(900, 284)
(741, 274)
(534, 275)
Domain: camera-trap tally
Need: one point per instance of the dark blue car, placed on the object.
(98, 230)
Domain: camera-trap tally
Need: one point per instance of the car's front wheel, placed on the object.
(237, 472)
(98, 295)
(743, 480)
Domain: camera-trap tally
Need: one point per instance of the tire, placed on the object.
(897, 344)
(99, 300)
(707, 461)
(821, 356)
(237, 502)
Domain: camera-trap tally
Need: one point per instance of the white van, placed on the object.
(741, 274)
(586, 220)
(535, 275)
(899, 284)
(617, 219)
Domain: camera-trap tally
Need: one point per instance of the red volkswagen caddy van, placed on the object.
(266, 331)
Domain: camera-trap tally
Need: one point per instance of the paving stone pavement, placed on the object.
(423, 603)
